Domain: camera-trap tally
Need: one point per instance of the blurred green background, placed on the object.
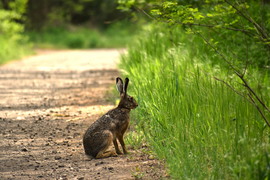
(58, 24)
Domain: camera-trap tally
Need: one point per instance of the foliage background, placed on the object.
(54, 13)
(62, 24)
(11, 30)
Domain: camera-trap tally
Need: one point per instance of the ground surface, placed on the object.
(47, 102)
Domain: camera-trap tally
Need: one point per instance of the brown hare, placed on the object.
(110, 127)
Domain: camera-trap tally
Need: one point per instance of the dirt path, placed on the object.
(47, 102)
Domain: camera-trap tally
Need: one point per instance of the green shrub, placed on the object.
(12, 40)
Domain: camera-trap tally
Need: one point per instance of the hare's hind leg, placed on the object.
(103, 154)
(105, 145)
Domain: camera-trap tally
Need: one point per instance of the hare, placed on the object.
(110, 127)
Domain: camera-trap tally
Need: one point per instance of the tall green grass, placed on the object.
(201, 128)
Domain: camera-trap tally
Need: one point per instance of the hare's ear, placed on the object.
(126, 85)
(119, 85)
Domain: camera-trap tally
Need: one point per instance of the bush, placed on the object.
(13, 42)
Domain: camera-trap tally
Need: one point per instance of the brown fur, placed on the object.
(110, 127)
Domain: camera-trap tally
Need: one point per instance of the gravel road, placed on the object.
(47, 101)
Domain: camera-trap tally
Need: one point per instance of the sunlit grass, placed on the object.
(201, 128)
(114, 36)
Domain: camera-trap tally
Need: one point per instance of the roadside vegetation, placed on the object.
(193, 81)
